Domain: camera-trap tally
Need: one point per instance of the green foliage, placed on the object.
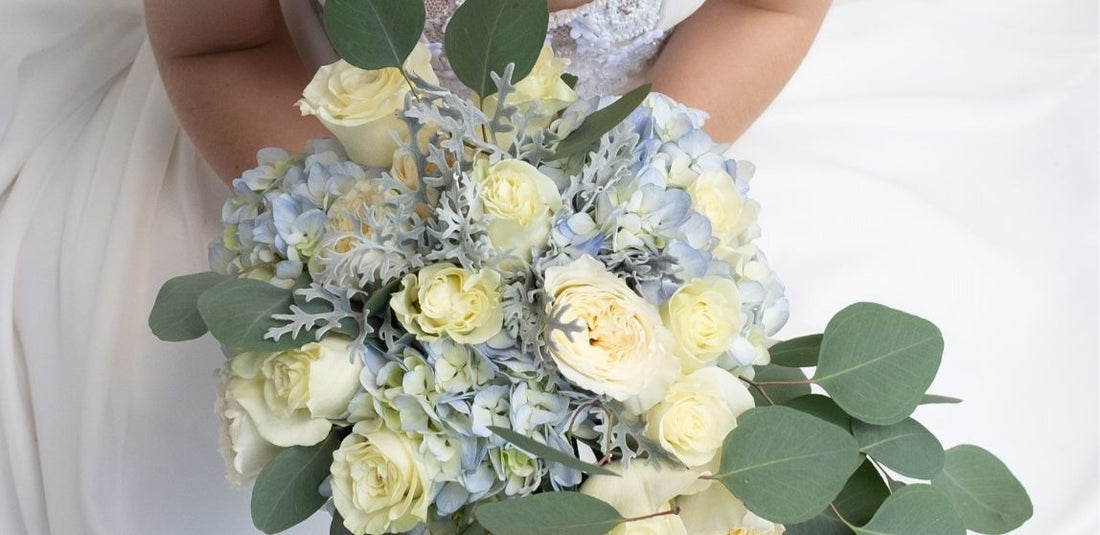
(239, 313)
(286, 492)
(484, 36)
(379, 301)
(374, 34)
(778, 394)
(547, 453)
(822, 407)
(906, 447)
(986, 495)
(551, 513)
(786, 465)
(877, 362)
(175, 316)
(914, 510)
(930, 399)
(861, 497)
(337, 526)
(798, 352)
(600, 122)
(474, 529)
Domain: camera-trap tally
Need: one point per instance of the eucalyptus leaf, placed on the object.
(374, 34)
(930, 399)
(379, 301)
(861, 497)
(914, 510)
(474, 529)
(822, 407)
(600, 122)
(798, 352)
(549, 513)
(239, 314)
(780, 393)
(570, 80)
(983, 491)
(286, 491)
(548, 453)
(877, 362)
(906, 447)
(785, 465)
(337, 527)
(175, 316)
(484, 36)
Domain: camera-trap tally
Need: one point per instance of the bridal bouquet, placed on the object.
(512, 310)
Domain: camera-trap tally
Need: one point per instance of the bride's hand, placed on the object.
(731, 57)
(233, 76)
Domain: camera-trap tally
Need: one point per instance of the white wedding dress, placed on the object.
(938, 157)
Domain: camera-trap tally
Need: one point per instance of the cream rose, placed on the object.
(620, 348)
(705, 318)
(542, 87)
(244, 450)
(643, 489)
(379, 484)
(715, 195)
(360, 107)
(714, 511)
(519, 202)
(697, 413)
(444, 300)
(291, 395)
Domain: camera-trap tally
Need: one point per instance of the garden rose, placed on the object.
(444, 300)
(621, 349)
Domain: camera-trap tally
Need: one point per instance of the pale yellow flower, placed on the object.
(444, 300)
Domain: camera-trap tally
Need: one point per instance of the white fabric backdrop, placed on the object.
(938, 156)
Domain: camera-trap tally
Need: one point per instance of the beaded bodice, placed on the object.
(609, 43)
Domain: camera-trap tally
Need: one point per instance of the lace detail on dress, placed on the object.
(609, 43)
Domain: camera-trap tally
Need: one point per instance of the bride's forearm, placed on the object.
(233, 75)
(732, 57)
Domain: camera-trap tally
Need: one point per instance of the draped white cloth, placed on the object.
(936, 156)
(940, 156)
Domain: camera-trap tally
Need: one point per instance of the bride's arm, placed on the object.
(731, 57)
(233, 75)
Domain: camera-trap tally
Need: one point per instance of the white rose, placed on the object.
(244, 450)
(705, 318)
(444, 300)
(714, 511)
(291, 395)
(542, 87)
(643, 489)
(360, 107)
(715, 195)
(697, 413)
(519, 202)
(621, 348)
(379, 484)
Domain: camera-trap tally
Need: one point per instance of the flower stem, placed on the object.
(759, 389)
(412, 88)
(673, 511)
(840, 517)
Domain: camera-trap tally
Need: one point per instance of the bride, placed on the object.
(103, 429)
